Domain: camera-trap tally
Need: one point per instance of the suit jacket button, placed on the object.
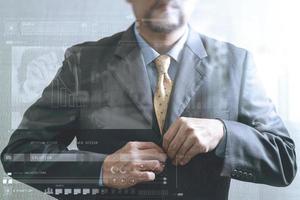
(238, 174)
(250, 176)
(234, 173)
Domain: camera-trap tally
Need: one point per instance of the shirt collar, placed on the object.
(151, 54)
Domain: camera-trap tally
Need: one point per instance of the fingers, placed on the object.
(144, 176)
(192, 152)
(152, 154)
(148, 145)
(143, 171)
(141, 166)
(185, 147)
(148, 165)
(177, 142)
(170, 134)
(128, 180)
(132, 173)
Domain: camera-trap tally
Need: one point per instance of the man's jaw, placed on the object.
(163, 20)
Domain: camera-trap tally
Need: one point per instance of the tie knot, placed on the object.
(162, 64)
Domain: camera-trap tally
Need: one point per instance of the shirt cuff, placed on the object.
(101, 184)
(221, 147)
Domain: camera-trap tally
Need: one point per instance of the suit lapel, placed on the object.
(129, 70)
(189, 77)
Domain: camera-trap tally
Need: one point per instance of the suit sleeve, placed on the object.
(47, 128)
(258, 146)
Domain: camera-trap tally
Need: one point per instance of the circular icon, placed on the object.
(122, 171)
(114, 170)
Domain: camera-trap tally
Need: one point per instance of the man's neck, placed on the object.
(161, 42)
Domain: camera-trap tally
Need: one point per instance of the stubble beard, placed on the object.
(165, 22)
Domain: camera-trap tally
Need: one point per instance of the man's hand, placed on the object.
(188, 137)
(134, 163)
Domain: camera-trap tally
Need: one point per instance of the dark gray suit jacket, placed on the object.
(102, 96)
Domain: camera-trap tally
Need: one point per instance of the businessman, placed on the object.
(158, 100)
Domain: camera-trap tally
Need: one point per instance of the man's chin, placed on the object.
(163, 27)
(165, 24)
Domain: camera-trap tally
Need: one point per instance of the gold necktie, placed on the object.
(163, 89)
